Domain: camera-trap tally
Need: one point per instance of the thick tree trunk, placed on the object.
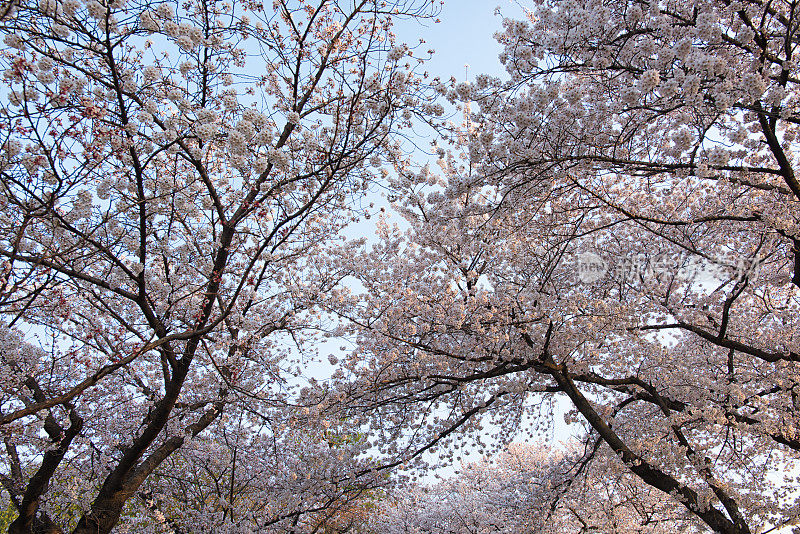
(103, 516)
(31, 520)
(107, 508)
(118, 487)
(38, 525)
(648, 473)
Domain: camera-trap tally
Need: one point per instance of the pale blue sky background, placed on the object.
(464, 36)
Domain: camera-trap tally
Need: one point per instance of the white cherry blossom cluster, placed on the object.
(649, 81)
(96, 10)
(133, 165)
(397, 53)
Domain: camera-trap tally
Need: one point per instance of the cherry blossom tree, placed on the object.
(532, 489)
(170, 174)
(615, 224)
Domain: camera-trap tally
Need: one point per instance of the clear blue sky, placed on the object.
(464, 36)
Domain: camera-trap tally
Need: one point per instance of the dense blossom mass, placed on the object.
(171, 174)
(530, 488)
(613, 225)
